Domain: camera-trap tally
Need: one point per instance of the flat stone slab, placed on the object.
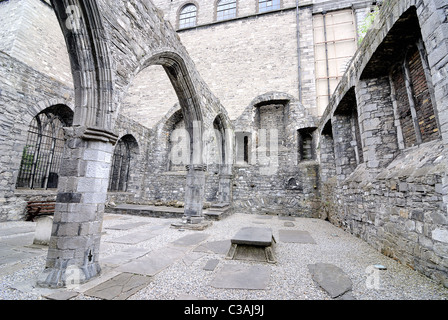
(119, 287)
(61, 295)
(127, 226)
(190, 240)
(16, 230)
(124, 256)
(267, 217)
(331, 278)
(153, 262)
(242, 277)
(211, 265)
(295, 236)
(133, 238)
(253, 236)
(288, 224)
(288, 218)
(218, 247)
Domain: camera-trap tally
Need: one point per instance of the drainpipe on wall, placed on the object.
(298, 51)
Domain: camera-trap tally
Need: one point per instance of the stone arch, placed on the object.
(180, 77)
(81, 24)
(120, 174)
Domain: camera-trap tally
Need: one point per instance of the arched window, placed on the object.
(226, 9)
(42, 155)
(268, 5)
(121, 162)
(187, 16)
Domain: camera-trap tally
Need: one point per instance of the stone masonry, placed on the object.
(244, 90)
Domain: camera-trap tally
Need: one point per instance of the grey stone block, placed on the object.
(331, 278)
(242, 277)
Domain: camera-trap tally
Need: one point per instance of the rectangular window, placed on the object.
(306, 149)
(226, 10)
(268, 5)
(414, 105)
(334, 46)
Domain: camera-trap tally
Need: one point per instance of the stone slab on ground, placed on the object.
(17, 230)
(61, 295)
(153, 262)
(211, 265)
(218, 247)
(249, 277)
(190, 239)
(289, 224)
(133, 238)
(124, 256)
(331, 278)
(119, 287)
(253, 236)
(127, 226)
(287, 218)
(295, 236)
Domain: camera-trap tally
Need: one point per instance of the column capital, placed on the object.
(90, 133)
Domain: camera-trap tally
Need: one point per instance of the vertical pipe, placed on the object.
(298, 51)
(326, 53)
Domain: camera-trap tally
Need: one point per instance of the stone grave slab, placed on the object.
(124, 256)
(252, 236)
(295, 236)
(247, 240)
(288, 224)
(61, 295)
(255, 277)
(191, 257)
(119, 287)
(332, 279)
(287, 218)
(218, 247)
(264, 216)
(127, 226)
(211, 265)
(133, 238)
(190, 240)
(153, 262)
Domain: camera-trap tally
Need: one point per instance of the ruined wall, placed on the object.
(274, 180)
(24, 93)
(396, 198)
(31, 34)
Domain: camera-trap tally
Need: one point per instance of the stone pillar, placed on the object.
(194, 193)
(377, 122)
(75, 239)
(225, 188)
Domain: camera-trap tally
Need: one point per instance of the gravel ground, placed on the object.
(290, 278)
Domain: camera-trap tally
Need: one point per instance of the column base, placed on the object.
(68, 276)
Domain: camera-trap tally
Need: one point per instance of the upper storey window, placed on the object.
(187, 16)
(268, 5)
(226, 9)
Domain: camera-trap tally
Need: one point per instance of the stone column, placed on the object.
(194, 193)
(75, 240)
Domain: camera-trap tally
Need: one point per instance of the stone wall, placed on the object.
(274, 180)
(396, 198)
(24, 93)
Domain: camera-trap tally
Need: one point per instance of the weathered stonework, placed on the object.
(370, 164)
